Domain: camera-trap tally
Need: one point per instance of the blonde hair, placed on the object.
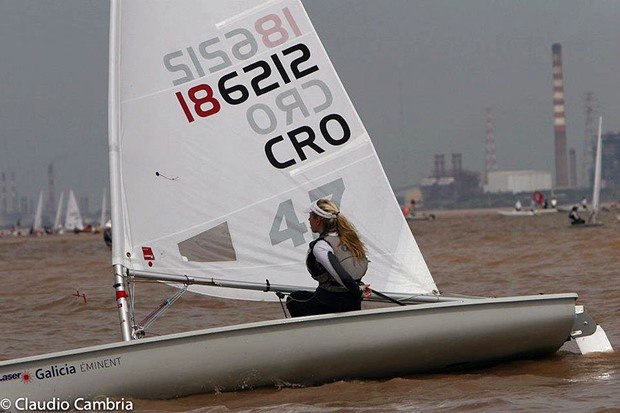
(340, 224)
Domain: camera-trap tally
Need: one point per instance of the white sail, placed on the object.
(73, 217)
(57, 220)
(596, 188)
(37, 223)
(224, 127)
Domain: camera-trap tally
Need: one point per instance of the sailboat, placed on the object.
(226, 120)
(73, 217)
(517, 211)
(596, 186)
(37, 223)
(58, 219)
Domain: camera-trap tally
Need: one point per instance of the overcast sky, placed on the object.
(420, 73)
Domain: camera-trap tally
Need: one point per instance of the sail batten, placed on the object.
(229, 124)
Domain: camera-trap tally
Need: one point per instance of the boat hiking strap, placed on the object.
(387, 297)
(280, 297)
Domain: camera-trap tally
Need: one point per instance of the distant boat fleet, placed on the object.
(69, 222)
(539, 204)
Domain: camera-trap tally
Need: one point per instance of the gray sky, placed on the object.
(419, 72)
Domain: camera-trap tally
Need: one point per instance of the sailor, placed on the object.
(584, 203)
(574, 217)
(337, 260)
(412, 208)
(518, 205)
(406, 211)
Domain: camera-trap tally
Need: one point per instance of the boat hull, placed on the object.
(373, 343)
(421, 217)
(514, 213)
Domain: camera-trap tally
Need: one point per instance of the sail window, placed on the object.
(212, 245)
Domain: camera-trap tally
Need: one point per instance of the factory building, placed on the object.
(518, 181)
(610, 167)
(445, 186)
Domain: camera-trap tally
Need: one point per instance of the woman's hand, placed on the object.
(366, 291)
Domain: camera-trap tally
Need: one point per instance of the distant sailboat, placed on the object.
(515, 213)
(58, 219)
(596, 188)
(37, 223)
(576, 221)
(73, 217)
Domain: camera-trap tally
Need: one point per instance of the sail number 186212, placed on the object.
(272, 31)
(234, 93)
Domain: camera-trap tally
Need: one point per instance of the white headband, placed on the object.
(314, 207)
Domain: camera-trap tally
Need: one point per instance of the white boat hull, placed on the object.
(514, 213)
(309, 350)
(543, 211)
(421, 217)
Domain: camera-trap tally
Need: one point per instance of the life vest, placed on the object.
(356, 267)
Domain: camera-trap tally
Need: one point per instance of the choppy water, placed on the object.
(42, 311)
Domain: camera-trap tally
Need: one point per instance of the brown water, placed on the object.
(478, 255)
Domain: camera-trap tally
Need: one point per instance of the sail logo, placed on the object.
(55, 371)
(147, 253)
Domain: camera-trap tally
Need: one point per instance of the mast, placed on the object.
(115, 180)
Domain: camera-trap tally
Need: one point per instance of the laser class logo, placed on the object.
(24, 376)
(27, 377)
(147, 253)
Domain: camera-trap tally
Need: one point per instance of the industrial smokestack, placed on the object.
(457, 164)
(559, 119)
(490, 159)
(3, 207)
(440, 166)
(13, 193)
(50, 204)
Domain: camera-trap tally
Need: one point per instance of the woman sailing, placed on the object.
(337, 260)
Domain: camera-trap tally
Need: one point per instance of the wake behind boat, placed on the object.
(220, 136)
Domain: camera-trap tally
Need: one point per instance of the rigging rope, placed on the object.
(155, 314)
(280, 297)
